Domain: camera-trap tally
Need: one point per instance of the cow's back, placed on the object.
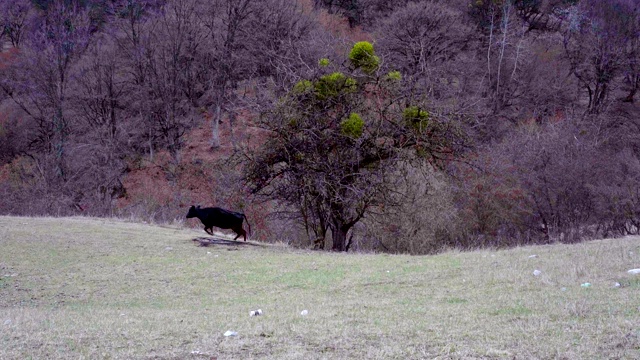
(221, 218)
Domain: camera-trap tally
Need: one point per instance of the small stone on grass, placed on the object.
(537, 272)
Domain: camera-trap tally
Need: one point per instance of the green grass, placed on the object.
(103, 289)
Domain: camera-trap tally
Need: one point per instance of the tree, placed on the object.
(352, 9)
(14, 17)
(286, 45)
(40, 78)
(422, 40)
(600, 41)
(334, 140)
(226, 22)
(169, 66)
(101, 95)
(249, 43)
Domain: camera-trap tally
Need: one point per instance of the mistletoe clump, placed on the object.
(353, 126)
(333, 84)
(363, 57)
(394, 75)
(416, 118)
(302, 86)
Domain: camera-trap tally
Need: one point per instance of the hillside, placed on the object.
(91, 288)
(470, 123)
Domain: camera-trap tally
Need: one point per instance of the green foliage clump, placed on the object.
(394, 75)
(416, 117)
(334, 78)
(334, 83)
(350, 84)
(324, 62)
(302, 86)
(362, 56)
(353, 126)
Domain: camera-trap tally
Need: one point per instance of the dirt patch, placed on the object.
(211, 241)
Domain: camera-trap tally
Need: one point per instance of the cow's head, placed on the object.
(192, 212)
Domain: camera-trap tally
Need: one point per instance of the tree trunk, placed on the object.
(339, 236)
(215, 127)
(59, 144)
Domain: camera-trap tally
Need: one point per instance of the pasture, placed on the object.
(84, 288)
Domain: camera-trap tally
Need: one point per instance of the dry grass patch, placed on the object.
(93, 288)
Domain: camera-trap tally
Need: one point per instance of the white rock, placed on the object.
(230, 333)
(7, 322)
(563, 289)
(533, 256)
(634, 271)
(537, 272)
(304, 312)
(168, 248)
(617, 285)
(586, 285)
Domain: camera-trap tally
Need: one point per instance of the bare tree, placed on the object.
(598, 41)
(228, 30)
(39, 83)
(421, 40)
(168, 64)
(351, 9)
(14, 18)
(101, 95)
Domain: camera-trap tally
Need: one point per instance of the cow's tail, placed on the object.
(247, 220)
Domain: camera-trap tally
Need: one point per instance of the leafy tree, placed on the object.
(334, 140)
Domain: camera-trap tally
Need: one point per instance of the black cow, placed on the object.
(221, 218)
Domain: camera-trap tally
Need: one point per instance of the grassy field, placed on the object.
(79, 288)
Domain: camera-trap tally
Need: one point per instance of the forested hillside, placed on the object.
(399, 126)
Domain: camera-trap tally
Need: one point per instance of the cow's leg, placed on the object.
(208, 230)
(240, 232)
